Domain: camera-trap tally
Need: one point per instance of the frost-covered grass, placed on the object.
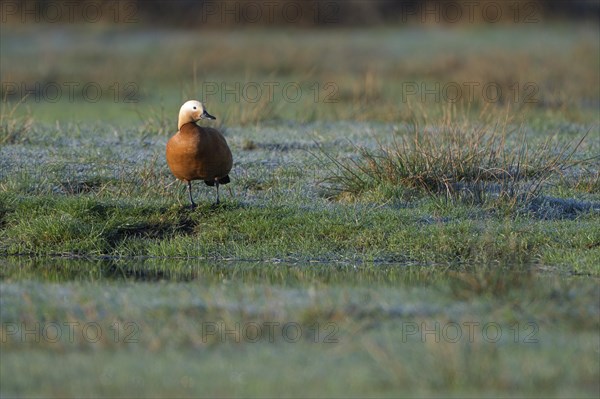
(378, 227)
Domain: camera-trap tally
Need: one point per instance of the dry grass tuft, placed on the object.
(456, 160)
(157, 121)
(13, 129)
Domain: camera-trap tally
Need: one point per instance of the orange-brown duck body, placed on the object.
(198, 153)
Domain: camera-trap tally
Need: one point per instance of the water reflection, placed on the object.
(153, 269)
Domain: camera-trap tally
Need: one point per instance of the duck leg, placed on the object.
(217, 185)
(190, 191)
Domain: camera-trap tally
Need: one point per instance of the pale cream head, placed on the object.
(192, 111)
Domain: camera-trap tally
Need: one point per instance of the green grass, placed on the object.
(351, 217)
(367, 74)
(94, 228)
(115, 197)
(476, 164)
(354, 341)
(280, 251)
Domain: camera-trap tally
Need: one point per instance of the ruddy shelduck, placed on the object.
(197, 152)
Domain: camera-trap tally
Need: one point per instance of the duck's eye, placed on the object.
(194, 107)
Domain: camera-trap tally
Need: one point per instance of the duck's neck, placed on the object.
(189, 128)
(183, 121)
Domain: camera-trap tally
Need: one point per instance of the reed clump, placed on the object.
(478, 164)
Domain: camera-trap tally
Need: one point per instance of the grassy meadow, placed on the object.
(375, 241)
